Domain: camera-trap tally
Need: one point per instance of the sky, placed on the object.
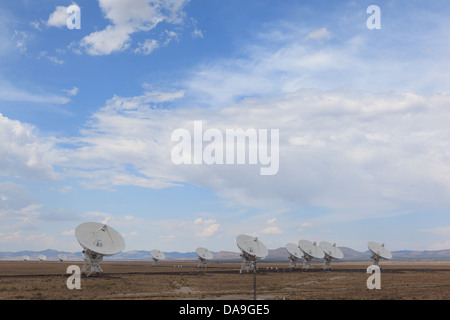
(88, 117)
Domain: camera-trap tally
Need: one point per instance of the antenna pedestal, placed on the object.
(91, 262)
(293, 261)
(327, 263)
(201, 263)
(155, 262)
(248, 263)
(307, 263)
(375, 259)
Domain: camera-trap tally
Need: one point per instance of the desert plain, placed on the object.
(179, 280)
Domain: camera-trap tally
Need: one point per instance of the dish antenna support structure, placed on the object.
(294, 254)
(252, 249)
(310, 251)
(156, 256)
(98, 240)
(378, 251)
(331, 252)
(203, 255)
(62, 257)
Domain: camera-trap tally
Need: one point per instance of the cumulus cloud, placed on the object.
(272, 228)
(210, 227)
(58, 18)
(130, 17)
(336, 148)
(24, 154)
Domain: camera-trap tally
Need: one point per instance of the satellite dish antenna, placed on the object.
(98, 240)
(310, 251)
(378, 252)
(157, 255)
(331, 252)
(62, 257)
(203, 255)
(26, 258)
(294, 254)
(252, 249)
(42, 257)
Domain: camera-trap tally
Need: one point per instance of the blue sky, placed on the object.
(86, 118)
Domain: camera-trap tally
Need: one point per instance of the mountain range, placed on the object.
(279, 254)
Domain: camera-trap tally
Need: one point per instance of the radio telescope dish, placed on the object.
(42, 257)
(252, 249)
(98, 240)
(310, 251)
(157, 255)
(62, 257)
(203, 255)
(26, 258)
(294, 254)
(331, 252)
(378, 252)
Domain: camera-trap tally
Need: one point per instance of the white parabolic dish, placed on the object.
(294, 250)
(99, 238)
(311, 249)
(42, 257)
(157, 254)
(379, 250)
(62, 257)
(331, 250)
(252, 246)
(204, 253)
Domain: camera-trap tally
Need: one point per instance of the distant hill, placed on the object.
(279, 254)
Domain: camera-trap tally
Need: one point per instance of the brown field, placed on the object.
(140, 280)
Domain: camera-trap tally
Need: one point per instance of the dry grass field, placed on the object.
(141, 281)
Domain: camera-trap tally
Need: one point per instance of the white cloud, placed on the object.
(58, 18)
(352, 167)
(197, 33)
(319, 34)
(36, 25)
(24, 154)
(208, 231)
(72, 92)
(55, 60)
(147, 47)
(272, 230)
(130, 17)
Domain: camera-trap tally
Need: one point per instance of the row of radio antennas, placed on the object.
(203, 254)
(61, 257)
(307, 251)
(253, 249)
(99, 240)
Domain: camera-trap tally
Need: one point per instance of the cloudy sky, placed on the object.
(87, 115)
